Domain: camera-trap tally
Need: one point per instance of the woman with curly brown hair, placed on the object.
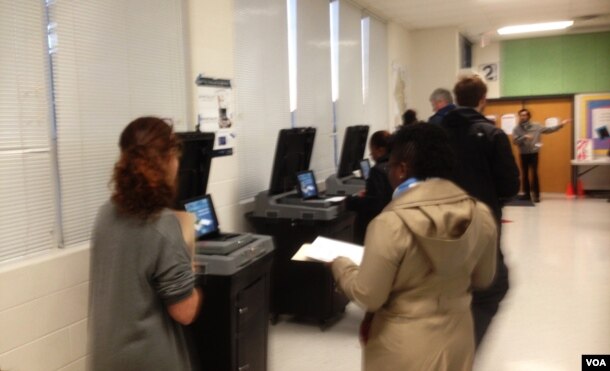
(142, 286)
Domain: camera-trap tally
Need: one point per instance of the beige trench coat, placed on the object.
(423, 254)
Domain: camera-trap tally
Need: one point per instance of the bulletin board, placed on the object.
(592, 111)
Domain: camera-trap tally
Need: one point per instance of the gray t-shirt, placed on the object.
(137, 269)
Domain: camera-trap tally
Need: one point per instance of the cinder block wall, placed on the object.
(43, 312)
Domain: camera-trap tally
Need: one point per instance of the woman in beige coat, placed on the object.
(423, 254)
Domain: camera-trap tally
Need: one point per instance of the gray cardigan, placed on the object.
(528, 146)
(138, 268)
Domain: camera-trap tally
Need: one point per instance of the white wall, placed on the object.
(400, 58)
(212, 44)
(486, 55)
(43, 312)
(435, 56)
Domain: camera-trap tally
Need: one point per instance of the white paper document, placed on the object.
(551, 122)
(326, 250)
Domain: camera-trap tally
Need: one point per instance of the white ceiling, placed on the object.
(474, 18)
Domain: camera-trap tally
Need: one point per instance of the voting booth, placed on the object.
(233, 269)
(345, 182)
(294, 213)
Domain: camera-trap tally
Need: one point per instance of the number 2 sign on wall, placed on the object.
(489, 71)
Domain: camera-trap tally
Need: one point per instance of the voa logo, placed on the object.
(595, 362)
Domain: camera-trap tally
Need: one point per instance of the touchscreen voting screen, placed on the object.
(194, 169)
(292, 155)
(365, 168)
(354, 145)
(206, 222)
(307, 184)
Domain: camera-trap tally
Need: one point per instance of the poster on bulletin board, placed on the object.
(215, 112)
(592, 114)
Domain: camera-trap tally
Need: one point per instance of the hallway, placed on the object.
(558, 307)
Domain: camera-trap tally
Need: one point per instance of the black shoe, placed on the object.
(536, 198)
(524, 198)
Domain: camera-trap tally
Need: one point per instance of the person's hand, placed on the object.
(565, 122)
(529, 136)
(187, 225)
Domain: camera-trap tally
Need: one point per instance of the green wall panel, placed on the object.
(576, 59)
(515, 64)
(556, 65)
(602, 64)
(545, 72)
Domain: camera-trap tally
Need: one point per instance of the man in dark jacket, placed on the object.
(378, 191)
(487, 170)
(442, 103)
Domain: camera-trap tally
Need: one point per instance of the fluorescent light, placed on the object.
(535, 27)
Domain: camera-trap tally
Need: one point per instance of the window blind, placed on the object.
(262, 91)
(314, 102)
(377, 102)
(27, 208)
(350, 108)
(366, 40)
(114, 61)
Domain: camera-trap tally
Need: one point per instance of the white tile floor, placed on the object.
(557, 309)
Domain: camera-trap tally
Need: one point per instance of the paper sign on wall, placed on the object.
(551, 122)
(215, 112)
(489, 71)
(508, 123)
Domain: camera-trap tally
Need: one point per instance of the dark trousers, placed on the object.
(485, 303)
(530, 161)
(484, 307)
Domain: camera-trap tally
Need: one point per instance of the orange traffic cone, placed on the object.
(570, 190)
(580, 192)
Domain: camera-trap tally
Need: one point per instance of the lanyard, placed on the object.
(402, 187)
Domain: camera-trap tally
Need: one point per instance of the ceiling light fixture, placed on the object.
(535, 27)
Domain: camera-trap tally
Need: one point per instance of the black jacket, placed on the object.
(377, 195)
(486, 167)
